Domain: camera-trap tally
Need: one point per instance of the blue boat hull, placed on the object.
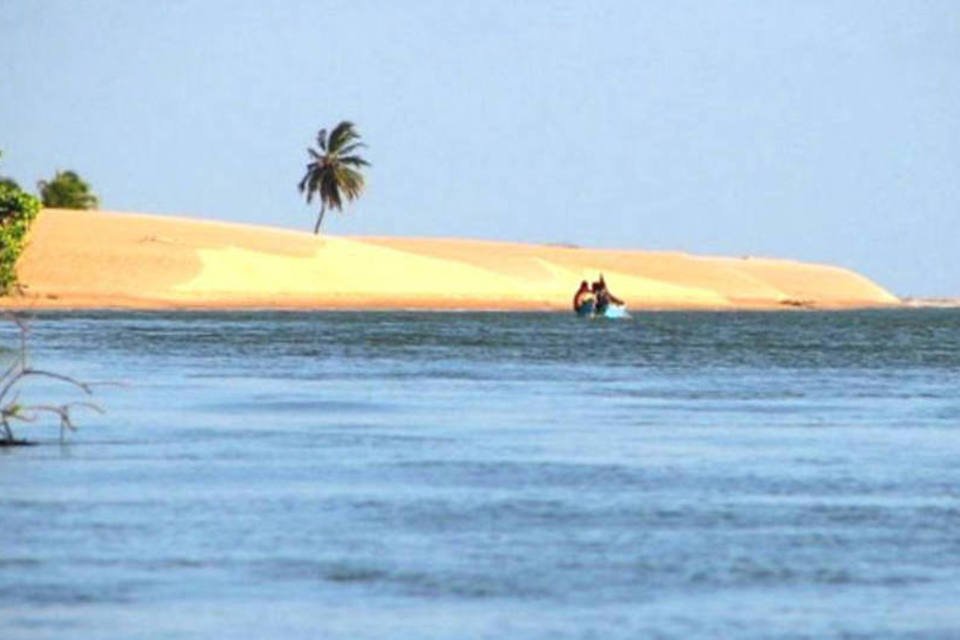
(589, 310)
(586, 309)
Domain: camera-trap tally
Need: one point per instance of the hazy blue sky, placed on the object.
(822, 131)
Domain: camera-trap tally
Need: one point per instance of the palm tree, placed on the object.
(333, 170)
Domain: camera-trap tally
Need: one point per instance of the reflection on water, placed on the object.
(402, 475)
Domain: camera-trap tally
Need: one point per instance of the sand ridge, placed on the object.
(95, 259)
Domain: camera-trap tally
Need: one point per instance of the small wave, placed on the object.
(330, 571)
(440, 582)
(18, 563)
(61, 594)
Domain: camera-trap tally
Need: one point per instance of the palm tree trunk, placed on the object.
(323, 208)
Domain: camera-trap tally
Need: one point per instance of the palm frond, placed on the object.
(341, 135)
(330, 191)
(313, 185)
(350, 148)
(354, 161)
(310, 170)
(350, 181)
(322, 139)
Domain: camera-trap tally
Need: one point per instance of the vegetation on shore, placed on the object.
(67, 190)
(333, 171)
(17, 211)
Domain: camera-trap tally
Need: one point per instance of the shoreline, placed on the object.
(13, 304)
(92, 260)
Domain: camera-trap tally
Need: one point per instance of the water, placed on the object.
(425, 476)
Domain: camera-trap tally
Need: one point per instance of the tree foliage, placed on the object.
(17, 211)
(333, 172)
(67, 190)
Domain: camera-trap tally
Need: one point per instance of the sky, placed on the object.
(817, 131)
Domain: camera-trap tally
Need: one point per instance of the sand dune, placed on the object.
(93, 259)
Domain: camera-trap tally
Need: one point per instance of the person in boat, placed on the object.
(584, 296)
(603, 296)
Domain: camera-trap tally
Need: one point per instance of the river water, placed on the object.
(427, 476)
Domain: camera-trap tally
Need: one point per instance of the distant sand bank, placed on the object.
(932, 303)
(93, 259)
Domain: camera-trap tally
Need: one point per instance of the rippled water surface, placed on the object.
(420, 476)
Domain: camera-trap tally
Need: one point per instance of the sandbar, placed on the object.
(111, 260)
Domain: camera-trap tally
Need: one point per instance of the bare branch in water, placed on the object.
(59, 376)
(18, 371)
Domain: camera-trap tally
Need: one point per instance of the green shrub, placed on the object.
(17, 211)
(67, 190)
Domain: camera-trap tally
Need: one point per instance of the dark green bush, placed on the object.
(17, 211)
(67, 190)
